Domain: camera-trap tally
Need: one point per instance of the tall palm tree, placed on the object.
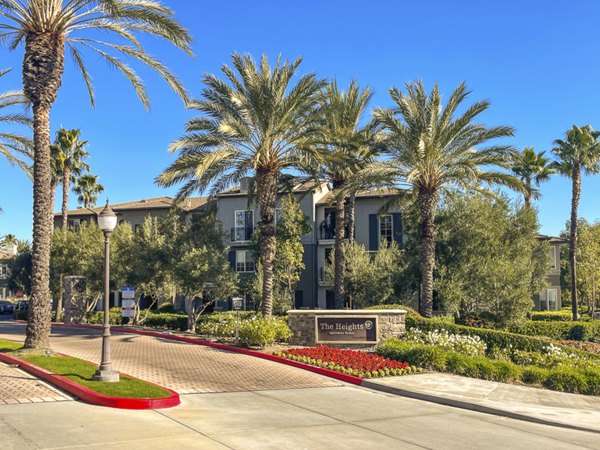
(17, 149)
(579, 151)
(69, 153)
(47, 28)
(257, 119)
(433, 148)
(531, 168)
(87, 188)
(345, 147)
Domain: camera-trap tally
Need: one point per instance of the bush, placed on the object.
(567, 379)
(20, 314)
(167, 308)
(222, 324)
(535, 375)
(577, 331)
(409, 311)
(97, 317)
(166, 320)
(460, 343)
(552, 316)
(263, 331)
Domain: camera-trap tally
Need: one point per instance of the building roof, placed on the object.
(552, 239)
(188, 204)
(298, 188)
(328, 199)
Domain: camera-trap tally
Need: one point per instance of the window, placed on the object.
(551, 296)
(327, 226)
(278, 215)
(385, 230)
(73, 224)
(3, 271)
(243, 225)
(553, 258)
(244, 261)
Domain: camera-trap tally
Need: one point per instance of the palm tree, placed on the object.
(531, 168)
(69, 153)
(433, 149)
(15, 148)
(345, 147)
(579, 151)
(87, 188)
(255, 120)
(47, 28)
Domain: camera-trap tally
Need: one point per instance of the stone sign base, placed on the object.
(344, 328)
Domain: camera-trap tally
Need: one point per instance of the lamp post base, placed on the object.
(110, 376)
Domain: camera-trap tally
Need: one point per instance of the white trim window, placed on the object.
(243, 225)
(244, 261)
(386, 230)
(277, 216)
(551, 298)
(3, 271)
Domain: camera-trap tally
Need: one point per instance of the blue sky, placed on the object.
(537, 61)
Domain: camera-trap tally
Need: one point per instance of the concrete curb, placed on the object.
(470, 406)
(87, 395)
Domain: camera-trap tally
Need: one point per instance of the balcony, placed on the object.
(241, 234)
(327, 234)
(324, 280)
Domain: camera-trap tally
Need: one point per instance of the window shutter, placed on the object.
(397, 230)
(232, 259)
(373, 232)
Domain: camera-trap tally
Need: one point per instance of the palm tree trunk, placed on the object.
(38, 322)
(350, 218)
(428, 207)
(43, 66)
(266, 186)
(339, 298)
(66, 184)
(576, 193)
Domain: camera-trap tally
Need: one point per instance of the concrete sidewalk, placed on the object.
(543, 406)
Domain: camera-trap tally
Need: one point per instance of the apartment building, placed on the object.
(238, 215)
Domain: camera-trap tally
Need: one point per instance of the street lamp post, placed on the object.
(107, 221)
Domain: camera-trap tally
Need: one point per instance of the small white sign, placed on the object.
(127, 292)
(128, 307)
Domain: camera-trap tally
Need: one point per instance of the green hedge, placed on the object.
(167, 320)
(576, 331)
(552, 316)
(494, 339)
(97, 317)
(562, 378)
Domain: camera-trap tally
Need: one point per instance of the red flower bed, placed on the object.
(353, 362)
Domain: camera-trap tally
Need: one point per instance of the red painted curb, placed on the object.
(89, 396)
(320, 370)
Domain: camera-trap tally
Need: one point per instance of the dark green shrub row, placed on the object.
(562, 378)
(409, 311)
(552, 316)
(167, 320)
(576, 331)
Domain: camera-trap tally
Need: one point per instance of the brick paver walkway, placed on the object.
(185, 368)
(17, 386)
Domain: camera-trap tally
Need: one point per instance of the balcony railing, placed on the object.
(329, 232)
(241, 234)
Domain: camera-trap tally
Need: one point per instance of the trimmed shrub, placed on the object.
(535, 375)
(409, 311)
(552, 316)
(566, 379)
(263, 331)
(97, 317)
(577, 331)
(166, 320)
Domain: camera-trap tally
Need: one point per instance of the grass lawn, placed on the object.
(81, 372)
